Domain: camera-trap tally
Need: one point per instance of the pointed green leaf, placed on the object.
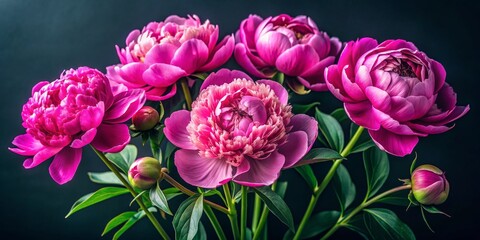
(319, 223)
(187, 218)
(364, 142)
(384, 224)
(331, 130)
(303, 108)
(377, 169)
(434, 210)
(281, 188)
(307, 173)
(339, 114)
(116, 221)
(134, 219)
(276, 205)
(357, 224)
(159, 200)
(319, 155)
(344, 187)
(171, 192)
(156, 138)
(412, 166)
(201, 233)
(96, 197)
(104, 178)
(125, 158)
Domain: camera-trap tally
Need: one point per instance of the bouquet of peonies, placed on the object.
(230, 134)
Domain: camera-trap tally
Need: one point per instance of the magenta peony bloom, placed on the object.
(78, 109)
(238, 130)
(293, 46)
(163, 52)
(429, 185)
(395, 91)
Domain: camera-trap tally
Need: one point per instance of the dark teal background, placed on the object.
(38, 39)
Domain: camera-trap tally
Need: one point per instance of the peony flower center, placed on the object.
(238, 120)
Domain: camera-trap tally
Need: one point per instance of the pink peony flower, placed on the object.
(238, 130)
(78, 109)
(163, 52)
(395, 91)
(293, 46)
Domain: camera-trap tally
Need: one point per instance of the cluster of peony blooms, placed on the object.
(227, 129)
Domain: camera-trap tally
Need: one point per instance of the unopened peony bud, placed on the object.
(144, 172)
(429, 185)
(145, 119)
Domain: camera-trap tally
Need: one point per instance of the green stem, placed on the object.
(263, 218)
(344, 221)
(257, 207)
(232, 211)
(216, 225)
(186, 93)
(150, 216)
(243, 213)
(326, 180)
(187, 191)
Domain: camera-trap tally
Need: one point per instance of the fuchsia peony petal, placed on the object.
(260, 172)
(65, 164)
(223, 76)
(125, 105)
(297, 60)
(163, 75)
(295, 147)
(26, 145)
(158, 94)
(398, 145)
(191, 55)
(131, 73)
(161, 53)
(314, 78)
(364, 114)
(307, 124)
(270, 45)
(245, 62)
(84, 139)
(220, 55)
(202, 172)
(41, 156)
(176, 129)
(111, 138)
(279, 90)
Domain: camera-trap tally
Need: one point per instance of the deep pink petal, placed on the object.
(111, 138)
(40, 156)
(398, 145)
(65, 164)
(38, 86)
(279, 90)
(89, 118)
(26, 145)
(255, 108)
(297, 60)
(160, 53)
(270, 45)
(333, 79)
(191, 55)
(245, 62)
(261, 172)
(220, 54)
(303, 122)
(202, 172)
(158, 94)
(350, 87)
(379, 98)
(295, 147)
(131, 74)
(365, 115)
(176, 129)
(223, 76)
(163, 75)
(124, 106)
(84, 139)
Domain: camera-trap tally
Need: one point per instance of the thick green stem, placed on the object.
(326, 180)
(187, 191)
(186, 93)
(257, 207)
(243, 213)
(150, 216)
(216, 225)
(344, 221)
(263, 219)
(232, 215)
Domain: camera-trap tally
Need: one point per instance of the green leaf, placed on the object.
(384, 224)
(134, 219)
(187, 218)
(331, 130)
(276, 205)
(357, 224)
(303, 108)
(116, 221)
(319, 223)
(156, 138)
(307, 173)
(364, 142)
(344, 187)
(123, 159)
(105, 178)
(377, 169)
(434, 210)
(159, 200)
(96, 197)
(339, 114)
(171, 192)
(201, 233)
(412, 166)
(319, 155)
(281, 188)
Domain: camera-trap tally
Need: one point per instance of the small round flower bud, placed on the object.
(145, 119)
(429, 185)
(144, 172)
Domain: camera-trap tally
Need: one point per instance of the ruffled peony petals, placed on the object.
(202, 172)
(398, 145)
(261, 172)
(163, 75)
(223, 76)
(307, 124)
(379, 98)
(161, 53)
(89, 118)
(84, 139)
(176, 130)
(242, 58)
(270, 45)
(255, 108)
(131, 74)
(294, 148)
(220, 54)
(191, 55)
(354, 50)
(124, 106)
(279, 90)
(111, 138)
(246, 33)
(65, 164)
(297, 60)
(41, 156)
(38, 86)
(352, 90)
(314, 78)
(440, 74)
(333, 80)
(26, 145)
(364, 114)
(160, 94)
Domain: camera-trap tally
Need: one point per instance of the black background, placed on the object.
(38, 39)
